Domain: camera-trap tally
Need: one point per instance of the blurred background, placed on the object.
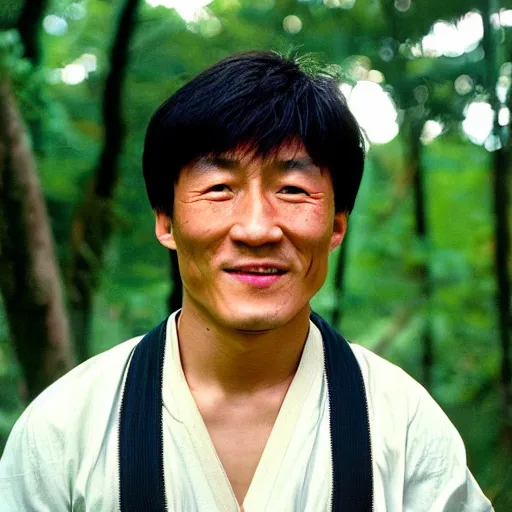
(423, 277)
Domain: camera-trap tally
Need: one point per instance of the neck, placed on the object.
(239, 362)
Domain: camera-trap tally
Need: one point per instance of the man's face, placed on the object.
(252, 236)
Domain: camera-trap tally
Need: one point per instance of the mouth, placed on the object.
(257, 276)
(257, 271)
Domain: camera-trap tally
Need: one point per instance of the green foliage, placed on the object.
(314, 65)
(10, 404)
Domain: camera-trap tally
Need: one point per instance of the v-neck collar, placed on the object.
(186, 411)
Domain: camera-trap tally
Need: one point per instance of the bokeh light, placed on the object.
(343, 4)
(478, 122)
(504, 116)
(463, 85)
(55, 25)
(189, 10)
(374, 110)
(76, 72)
(453, 39)
(73, 74)
(431, 130)
(292, 24)
(502, 19)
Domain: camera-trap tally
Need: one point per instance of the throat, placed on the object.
(218, 351)
(237, 361)
(239, 428)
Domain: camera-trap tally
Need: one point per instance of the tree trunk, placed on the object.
(29, 24)
(29, 27)
(414, 167)
(501, 166)
(93, 222)
(412, 128)
(29, 277)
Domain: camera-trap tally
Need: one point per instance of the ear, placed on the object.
(339, 229)
(163, 231)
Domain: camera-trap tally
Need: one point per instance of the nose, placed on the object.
(255, 220)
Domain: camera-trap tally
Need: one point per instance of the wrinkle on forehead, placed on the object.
(245, 153)
(290, 157)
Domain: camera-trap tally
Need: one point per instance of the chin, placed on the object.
(259, 319)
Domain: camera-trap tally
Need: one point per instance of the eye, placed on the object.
(293, 190)
(218, 188)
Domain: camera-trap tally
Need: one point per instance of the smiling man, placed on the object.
(261, 252)
(243, 399)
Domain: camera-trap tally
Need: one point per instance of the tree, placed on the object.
(30, 282)
(501, 167)
(29, 277)
(93, 223)
(28, 28)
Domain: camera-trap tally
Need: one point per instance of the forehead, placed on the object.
(292, 155)
(247, 152)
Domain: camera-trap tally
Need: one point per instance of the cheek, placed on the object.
(197, 237)
(311, 235)
(202, 216)
(315, 228)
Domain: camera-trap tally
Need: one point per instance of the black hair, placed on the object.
(260, 101)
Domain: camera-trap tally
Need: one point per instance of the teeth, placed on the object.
(263, 270)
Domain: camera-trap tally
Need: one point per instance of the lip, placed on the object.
(255, 280)
(244, 272)
(251, 265)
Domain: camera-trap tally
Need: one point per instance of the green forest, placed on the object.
(423, 276)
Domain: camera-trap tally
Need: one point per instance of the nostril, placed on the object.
(255, 234)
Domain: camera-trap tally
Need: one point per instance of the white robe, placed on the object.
(62, 453)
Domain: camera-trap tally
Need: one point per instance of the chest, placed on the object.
(295, 471)
(239, 434)
(220, 469)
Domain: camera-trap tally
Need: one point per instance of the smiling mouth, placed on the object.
(262, 271)
(257, 277)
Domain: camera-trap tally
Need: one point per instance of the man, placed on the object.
(252, 169)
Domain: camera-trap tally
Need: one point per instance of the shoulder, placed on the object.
(97, 378)
(389, 388)
(395, 397)
(66, 428)
(387, 385)
(405, 419)
(85, 394)
(414, 442)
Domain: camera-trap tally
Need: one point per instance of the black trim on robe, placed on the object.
(141, 471)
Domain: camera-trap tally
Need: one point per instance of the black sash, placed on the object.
(141, 441)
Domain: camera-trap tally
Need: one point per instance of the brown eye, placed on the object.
(218, 188)
(293, 190)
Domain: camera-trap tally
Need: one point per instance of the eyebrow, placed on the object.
(219, 161)
(294, 163)
(226, 162)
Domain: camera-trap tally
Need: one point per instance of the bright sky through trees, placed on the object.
(374, 109)
(372, 106)
(189, 10)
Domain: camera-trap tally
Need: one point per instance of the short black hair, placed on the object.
(256, 100)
